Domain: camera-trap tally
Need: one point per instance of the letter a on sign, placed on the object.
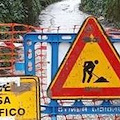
(91, 69)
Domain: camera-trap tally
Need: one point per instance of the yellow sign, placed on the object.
(91, 68)
(19, 98)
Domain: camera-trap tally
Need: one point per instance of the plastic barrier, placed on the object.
(62, 109)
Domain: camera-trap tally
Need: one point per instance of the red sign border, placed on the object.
(56, 90)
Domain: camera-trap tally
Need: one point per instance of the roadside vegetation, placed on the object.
(17, 11)
(108, 9)
(22, 11)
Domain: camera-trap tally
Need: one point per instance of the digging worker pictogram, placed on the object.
(88, 69)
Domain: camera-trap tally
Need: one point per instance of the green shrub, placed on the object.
(22, 11)
(107, 8)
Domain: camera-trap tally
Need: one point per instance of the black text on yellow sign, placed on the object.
(19, 98)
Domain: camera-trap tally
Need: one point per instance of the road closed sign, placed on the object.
(19, 98)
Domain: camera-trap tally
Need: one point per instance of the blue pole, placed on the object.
(54, 67)
(54, 61)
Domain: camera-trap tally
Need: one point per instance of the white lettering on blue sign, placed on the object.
(72, 109)
(89, 110)
(106, 109)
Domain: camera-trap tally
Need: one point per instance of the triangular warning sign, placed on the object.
(91, 69)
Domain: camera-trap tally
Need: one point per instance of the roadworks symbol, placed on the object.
(89, 67)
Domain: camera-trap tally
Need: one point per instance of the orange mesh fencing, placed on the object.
(11, 46)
